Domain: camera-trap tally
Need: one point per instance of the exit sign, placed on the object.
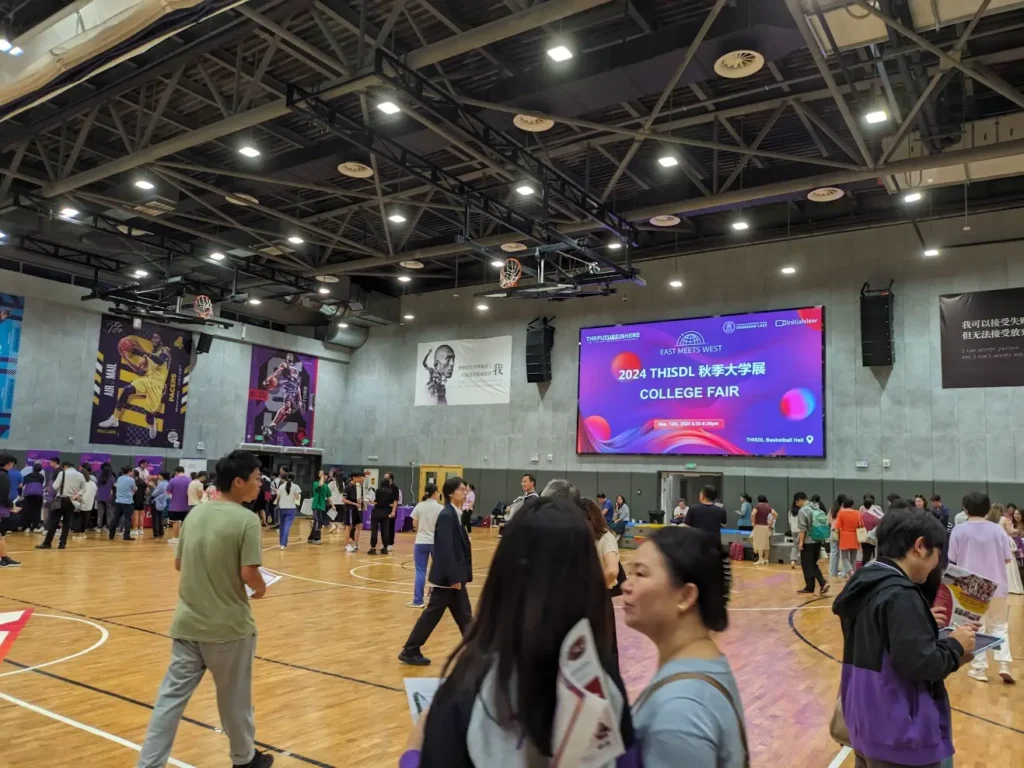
(691, 465)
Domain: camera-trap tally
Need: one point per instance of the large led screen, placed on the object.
(735, 385)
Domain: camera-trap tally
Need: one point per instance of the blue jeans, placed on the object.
(420, 554)
(287, 518)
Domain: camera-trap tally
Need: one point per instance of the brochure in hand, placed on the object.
(965, 595)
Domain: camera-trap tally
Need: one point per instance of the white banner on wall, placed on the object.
(464, 372)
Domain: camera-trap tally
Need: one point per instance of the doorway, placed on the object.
(436, 474)
(303, 467)
(685, 485)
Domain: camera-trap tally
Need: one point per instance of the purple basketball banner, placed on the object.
(733, 385)
(155, 464)
(140, 385)
(94, 460)
(282, 397)
(40, 457)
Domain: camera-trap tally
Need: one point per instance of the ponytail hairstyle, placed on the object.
(428, 490)
(288, 483)
(694, 557)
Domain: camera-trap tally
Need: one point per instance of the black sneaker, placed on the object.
(805, 592)
(259, 760)
(371, 551)
(824, 589)
(44, 546)
(419, 660)
(6, 562)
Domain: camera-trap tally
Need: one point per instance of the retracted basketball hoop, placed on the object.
(203, 306)
(511, 273)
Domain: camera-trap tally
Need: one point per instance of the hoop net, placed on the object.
(203, 306)
(511, 273)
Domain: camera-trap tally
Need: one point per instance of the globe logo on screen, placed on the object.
(689, 339)
(729, 326)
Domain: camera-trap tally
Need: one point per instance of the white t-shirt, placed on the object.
(607, 543)
(287, 500)
(195, 492)
(337, 493)
(425, 515)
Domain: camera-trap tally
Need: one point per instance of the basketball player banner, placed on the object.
(282, 397)
(140, 385)
(982, 339)
(12, 309)
(464, 372)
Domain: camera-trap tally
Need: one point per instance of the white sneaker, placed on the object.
(350, 548)
(109, 423)
(1007, 674)
(172, 542)
(978, 675)
(420, 606)
(283, 547)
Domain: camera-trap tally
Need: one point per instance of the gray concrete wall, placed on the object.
(53, 392)
(929, 435)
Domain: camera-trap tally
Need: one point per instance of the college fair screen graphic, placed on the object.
(732, 385)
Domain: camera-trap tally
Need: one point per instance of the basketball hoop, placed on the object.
(203, 306)
(510, 273)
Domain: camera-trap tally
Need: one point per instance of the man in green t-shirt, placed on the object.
(218, 556)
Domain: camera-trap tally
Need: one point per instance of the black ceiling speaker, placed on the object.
(540, 338)
(876, 326)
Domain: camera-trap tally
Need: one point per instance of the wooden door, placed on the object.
(436, 474)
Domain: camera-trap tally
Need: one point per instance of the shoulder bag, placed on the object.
(715, 684)
(837, 726)
(55, 505)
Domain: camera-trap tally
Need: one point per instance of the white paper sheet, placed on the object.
(420, 692)
(268, 579)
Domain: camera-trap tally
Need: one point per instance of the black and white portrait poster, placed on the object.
(464, 372)
(982, 339)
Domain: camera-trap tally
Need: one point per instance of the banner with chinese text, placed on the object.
(982, 339)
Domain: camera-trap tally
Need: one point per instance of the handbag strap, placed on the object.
(710, 681)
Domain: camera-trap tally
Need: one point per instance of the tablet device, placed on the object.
(981, 642)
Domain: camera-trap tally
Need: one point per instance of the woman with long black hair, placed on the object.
(104, 497)
(497, 704)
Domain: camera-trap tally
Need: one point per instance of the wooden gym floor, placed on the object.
(78, 685)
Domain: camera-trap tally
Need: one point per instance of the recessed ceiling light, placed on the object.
(295, 240)
(389, 108)
(404, 278)
(343, 325)
(408, 317)
(68, 213)
(739, 226)
(143, 184)
(249, 151)
(3, 235)
(323, 291)
(788, 270)
(615, 246)
(559, 53)
(676, 283)
(5, 45)
(913, 197)
(525, 190)
(876, 116)
(497, 264)
(668, 161)
(217, 256)
(141, 273)
(397, 218)
(16, 51)
(932, 252)
(482, 307)
(255, 301)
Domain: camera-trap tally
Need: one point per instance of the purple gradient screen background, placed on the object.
(779, 413)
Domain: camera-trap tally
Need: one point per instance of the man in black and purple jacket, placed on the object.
(894, 664)
(6, 510)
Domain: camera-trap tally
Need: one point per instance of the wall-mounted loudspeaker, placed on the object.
(876, 326)
(205, 342)
(540, 338)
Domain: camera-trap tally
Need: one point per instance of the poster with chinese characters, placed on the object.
(140, 385)
(982, 339)
(464, 372)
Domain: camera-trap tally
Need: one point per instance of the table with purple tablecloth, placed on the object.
(401, 515)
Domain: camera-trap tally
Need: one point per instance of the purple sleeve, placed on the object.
(409, 759)
(632, 758)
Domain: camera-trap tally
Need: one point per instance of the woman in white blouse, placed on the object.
(288, 496)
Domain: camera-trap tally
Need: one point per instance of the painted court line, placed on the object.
(104, 634)
(83, 727)
(839, 759)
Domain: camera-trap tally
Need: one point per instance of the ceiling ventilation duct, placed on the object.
(88, 37)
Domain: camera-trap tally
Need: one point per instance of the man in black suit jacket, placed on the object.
(451, 568)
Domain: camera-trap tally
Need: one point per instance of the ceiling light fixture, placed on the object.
(668, 161)
(295, 240)
(676, 283)
(217, 256)
(5, 45)
(141, 273)
(397, 218)
(408, 317)
(343, 325)
(143, 184)
(482, 307)
(876, 116)
(788, 270)
(740, 225)
(404, 279)
(559, 53)
(255, 301)
(389, 107)
(913, 197)
(3, 235)
(16, 51)
(525, 190)
(615, 246)
(497, 264)
(323, 291)
(68, 213)
(249, 151)
(931, 252)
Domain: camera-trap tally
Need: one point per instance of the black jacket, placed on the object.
(452, 560)
(5, 489)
